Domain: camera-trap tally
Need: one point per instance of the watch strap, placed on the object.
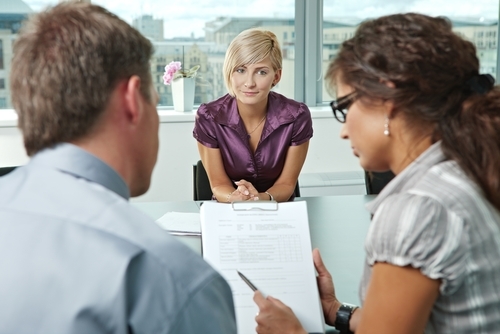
(343, 318)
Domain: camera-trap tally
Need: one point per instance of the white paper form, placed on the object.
(272, 248)
(180, 223)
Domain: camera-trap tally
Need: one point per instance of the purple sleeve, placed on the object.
(204, 128)
(302, 127)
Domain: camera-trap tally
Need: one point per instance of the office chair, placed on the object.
(6, 170)
(297, 189)
(376, 181)
(201, 185)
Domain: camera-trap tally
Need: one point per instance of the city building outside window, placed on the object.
(476, 22)
(201, 36)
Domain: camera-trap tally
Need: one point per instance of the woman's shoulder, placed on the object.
(448, 184)
(216, 107)
(287, 107)
(277, 98)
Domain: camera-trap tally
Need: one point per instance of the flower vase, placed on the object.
(183, 94)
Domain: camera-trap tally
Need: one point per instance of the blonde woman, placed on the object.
(253, 141)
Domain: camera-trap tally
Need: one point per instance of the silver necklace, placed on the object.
(262, 120)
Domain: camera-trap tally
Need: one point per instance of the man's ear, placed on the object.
(133, 98)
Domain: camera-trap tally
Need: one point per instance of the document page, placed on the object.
(270, 244)
(180, 223)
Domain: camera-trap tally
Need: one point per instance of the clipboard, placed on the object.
(270, 243)
(254, 206)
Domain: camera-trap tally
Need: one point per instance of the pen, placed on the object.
(247, 281)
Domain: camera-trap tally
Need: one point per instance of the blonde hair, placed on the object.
(249, 47)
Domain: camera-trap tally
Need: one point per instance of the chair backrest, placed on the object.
(201, 185)
(6, 170)
(297, 189)
(376, 181)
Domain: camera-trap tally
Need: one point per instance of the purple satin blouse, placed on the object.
(218, 125)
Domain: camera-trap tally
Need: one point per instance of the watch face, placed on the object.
(352, 306)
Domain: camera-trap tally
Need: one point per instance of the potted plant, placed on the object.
(183, 84)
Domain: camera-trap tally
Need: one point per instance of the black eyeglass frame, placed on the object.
(340, 106)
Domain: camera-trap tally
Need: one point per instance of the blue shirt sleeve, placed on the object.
(204, 303)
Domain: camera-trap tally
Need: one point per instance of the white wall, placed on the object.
(11, 147)
(172, 176)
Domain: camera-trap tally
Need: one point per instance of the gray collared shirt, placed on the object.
(433, 217)
(76, 257)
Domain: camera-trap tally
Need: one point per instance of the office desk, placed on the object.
(338, 226)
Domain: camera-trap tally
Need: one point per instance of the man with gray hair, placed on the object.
(76, 257)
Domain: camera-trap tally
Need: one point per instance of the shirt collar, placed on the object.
(410, 175)
(228, 111)
(73, 160)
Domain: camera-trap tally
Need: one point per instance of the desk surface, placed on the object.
(338, 226)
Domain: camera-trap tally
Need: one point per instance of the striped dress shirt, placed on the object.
(433, 217)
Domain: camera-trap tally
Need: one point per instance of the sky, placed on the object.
(183, 18)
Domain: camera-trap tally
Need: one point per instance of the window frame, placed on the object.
(308, 52)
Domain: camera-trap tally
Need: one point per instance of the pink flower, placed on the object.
(174, 70)
(167, 78)
(170, 71)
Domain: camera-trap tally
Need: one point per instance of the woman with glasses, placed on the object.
(412, 101)
(253, 141)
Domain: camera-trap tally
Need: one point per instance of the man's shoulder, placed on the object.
(89, 213)
(63, 201)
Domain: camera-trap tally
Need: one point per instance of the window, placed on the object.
(1, 54)
(479, 24)
(2, 83)
(202, 40)
(183, 36)
(308, 42)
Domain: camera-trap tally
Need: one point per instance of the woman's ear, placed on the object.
(388, 83)
(277, 77)
(389, 110)
(389, 105)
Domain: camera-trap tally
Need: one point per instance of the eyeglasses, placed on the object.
(340, 106)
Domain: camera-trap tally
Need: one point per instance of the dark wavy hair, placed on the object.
(434, 74)
(67, 60)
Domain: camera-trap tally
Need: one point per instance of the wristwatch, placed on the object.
(343, 317)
